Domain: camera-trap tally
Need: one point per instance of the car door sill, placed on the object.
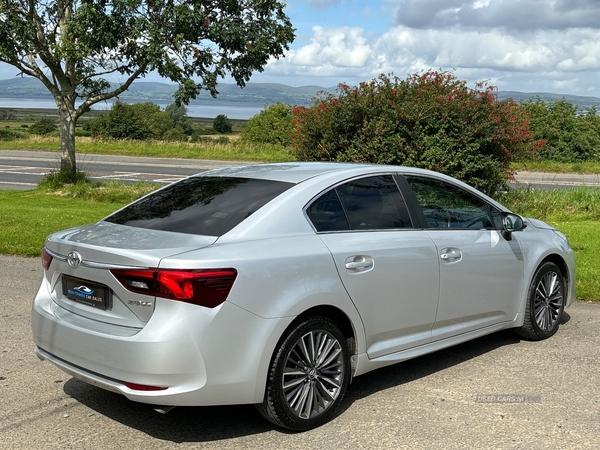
(365, 364)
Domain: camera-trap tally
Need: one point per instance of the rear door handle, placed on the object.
(359, 263)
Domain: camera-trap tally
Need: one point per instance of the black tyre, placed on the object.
(545, 303)
(308, 376)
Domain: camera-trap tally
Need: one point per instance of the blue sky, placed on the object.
(518, 45)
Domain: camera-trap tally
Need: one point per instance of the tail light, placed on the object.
(203, 287)
(46, 258)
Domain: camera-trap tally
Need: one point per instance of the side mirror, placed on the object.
(511, 223)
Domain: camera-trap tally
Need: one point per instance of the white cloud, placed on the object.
(508, 14)
(563, 85)
(338, 47)
(533, 61)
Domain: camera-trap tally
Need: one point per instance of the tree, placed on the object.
(221, 124)
(570, 133)
(124, 121)
(270, 126)
(43, 127)
(137, 121)
(178, 114)
(74, 46)
(430, 120)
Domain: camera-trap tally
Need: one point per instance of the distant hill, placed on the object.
(547, 96)
(254, 94)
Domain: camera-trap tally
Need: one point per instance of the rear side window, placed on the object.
(371, 203)
(208, 206)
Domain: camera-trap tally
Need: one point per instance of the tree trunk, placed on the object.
(68, 120)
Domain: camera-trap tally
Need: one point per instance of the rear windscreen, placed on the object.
(200, 205)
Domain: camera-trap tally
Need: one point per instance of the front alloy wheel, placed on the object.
(308, 377)
(545, 303)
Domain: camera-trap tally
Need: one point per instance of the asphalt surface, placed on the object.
(23, 170)
(496, 392)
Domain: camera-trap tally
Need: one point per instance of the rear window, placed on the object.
(200, 205)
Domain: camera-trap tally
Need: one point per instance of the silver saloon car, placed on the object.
(276, 284)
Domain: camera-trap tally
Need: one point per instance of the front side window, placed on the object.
(447, 206)
(208, 206)
(371, 203)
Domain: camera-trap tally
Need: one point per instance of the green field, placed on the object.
(27, 217)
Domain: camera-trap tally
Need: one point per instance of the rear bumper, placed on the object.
(201, 356)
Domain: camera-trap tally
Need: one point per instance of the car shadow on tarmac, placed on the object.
(215, 423)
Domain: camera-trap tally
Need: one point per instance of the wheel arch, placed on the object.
(560, 263)
(550, 315)
(338, 317)
(276, 406)
(341, 320)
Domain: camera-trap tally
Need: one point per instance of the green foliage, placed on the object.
(74, 47)
(98, 191)
(430, 120)
(178, 114)
(122, 121)
(270, 126)
(57, 179)
(137, 121)
(567, 132)
(175, 134)
(7, 134)
(222, 140)
(221, 124)
(43, 127)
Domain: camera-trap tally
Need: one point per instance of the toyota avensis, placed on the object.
(276, 284)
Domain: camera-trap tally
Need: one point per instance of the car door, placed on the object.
(481, 273)
(388, 267)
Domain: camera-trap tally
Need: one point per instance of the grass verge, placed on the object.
(575, 212)
(557, 167)
(27, 217)
(583, 237)
(233, 151)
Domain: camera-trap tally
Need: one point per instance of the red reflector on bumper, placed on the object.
(143, 387)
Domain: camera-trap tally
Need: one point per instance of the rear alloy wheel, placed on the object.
(308, 377)
(545, 303)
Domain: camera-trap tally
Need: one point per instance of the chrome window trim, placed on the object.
(347, 180)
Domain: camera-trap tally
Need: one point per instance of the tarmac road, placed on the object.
(22, 170)
(496, 392)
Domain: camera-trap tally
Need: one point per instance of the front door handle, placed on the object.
(359, 263)
(450, 255)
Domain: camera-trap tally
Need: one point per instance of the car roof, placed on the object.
(297, 172)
